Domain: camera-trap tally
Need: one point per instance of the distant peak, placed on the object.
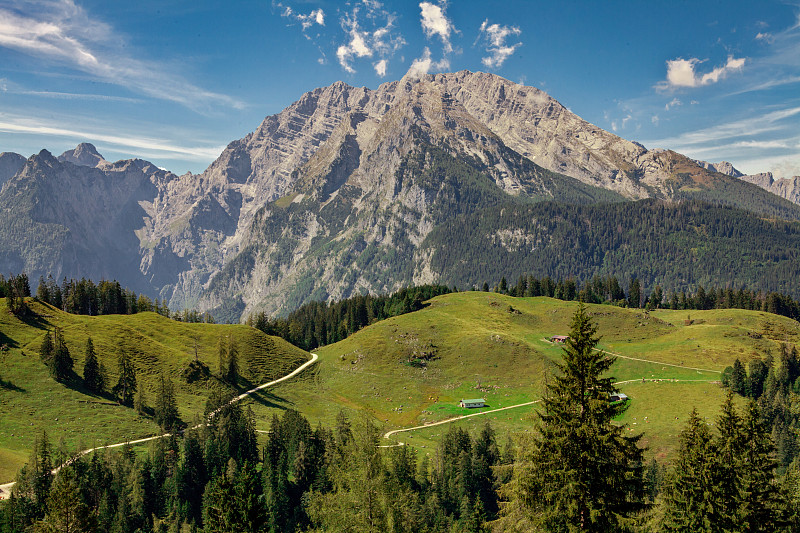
(85, 154)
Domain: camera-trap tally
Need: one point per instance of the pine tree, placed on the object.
(61, 363)
(585, 473)
(66, 512)
(232, 370)
(686, 502)
(738, 379)
(126, 384)
(46, 350)
(763, 503)
(166, 406)
(92, 377)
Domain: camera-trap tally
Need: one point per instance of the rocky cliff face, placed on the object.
(343, 173)
(85, 154)
(10, 164)
(788, 188)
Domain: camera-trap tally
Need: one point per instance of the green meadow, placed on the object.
(31, 401)
(402, 372)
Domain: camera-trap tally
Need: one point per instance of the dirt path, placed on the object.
(5, 490)
(388, 434)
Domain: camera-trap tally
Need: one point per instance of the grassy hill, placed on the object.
(495, 347)
(402, 372)
(30, 400)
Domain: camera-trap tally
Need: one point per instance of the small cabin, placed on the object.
(618, 398)
(560, 339)
(469, 404)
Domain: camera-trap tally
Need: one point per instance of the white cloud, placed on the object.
(748, 128)
(435, 22)
(495, 35)
(765, 37)
(140, 146)
(63, 32)
(423, 65)
(682, 73)
(380, 67)
(316, 16)
(654, 119)
(674, 103)
(381, 39)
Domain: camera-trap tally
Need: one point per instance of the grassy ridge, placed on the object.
(499, 343)
(30, 400)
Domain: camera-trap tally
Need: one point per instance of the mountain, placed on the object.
(69, 220)
(10, 164)
(788, 188)
(338, 193)
(85, 154)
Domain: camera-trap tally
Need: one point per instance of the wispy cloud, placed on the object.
(749, 127)
(136, 145)
(495, 36)
(317, 16)
(682, 73)
(371, 33)
(675, 102)
(62, 32)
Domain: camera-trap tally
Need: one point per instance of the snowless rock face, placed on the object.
(335, 142)
(788, 188)
(84, 154)
(10, 164)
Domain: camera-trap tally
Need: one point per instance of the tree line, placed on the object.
(319, 323)
(85, 297)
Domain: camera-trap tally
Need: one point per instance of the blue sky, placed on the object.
(175, 81)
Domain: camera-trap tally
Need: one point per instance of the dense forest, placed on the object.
(85, 297)
(679, 245)
(774, 383)
(577, 470)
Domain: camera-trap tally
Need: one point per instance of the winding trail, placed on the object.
(388, 434)
(5, 489)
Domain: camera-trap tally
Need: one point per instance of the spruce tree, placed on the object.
(126, 384)
(686, 502)
(232, 369)
(61, 362)
(763, 502)
(46, 350)
(92, 377)
(585, 472)
(738, 378)
(166, 406)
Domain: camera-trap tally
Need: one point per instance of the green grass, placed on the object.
(482, 345)
(30, 400)
(500, 343)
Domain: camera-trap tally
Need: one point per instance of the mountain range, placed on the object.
(350, 190)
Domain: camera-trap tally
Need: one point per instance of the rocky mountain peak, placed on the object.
(85, 154)
(723, 167)
(10, 164)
